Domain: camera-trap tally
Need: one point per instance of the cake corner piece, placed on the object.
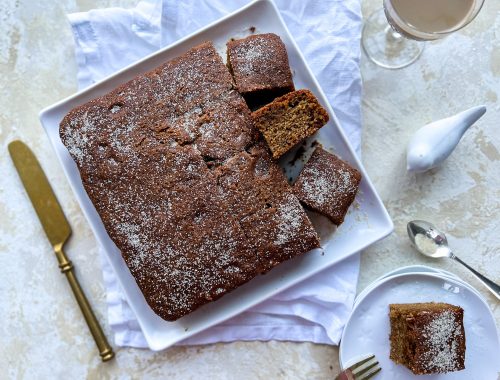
(327, 185)
(260, 68)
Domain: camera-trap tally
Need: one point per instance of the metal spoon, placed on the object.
(431, 242)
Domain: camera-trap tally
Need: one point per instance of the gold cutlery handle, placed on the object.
(105, 350)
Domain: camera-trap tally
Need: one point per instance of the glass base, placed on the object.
(386, 47)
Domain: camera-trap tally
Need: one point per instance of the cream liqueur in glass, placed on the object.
(428, 19)
(413, 21)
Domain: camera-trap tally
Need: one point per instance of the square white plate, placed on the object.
(367, 221)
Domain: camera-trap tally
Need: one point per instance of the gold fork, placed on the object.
(362, 370)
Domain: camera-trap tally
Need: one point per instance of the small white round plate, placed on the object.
(406, 269)
(367, 330)
(414, 269)
(411, 269)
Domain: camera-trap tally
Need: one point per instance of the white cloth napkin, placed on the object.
(328, 33)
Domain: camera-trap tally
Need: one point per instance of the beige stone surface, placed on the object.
(42, 334)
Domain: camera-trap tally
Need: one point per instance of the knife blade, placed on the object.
(40, 192)
(57, 229)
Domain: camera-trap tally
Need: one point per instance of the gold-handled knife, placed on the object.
(58, 231)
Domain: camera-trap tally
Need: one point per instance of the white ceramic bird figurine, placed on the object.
(434, 142)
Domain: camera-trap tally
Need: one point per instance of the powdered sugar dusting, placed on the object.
(441, 337)
(131, 232)
(289, 219)
(255, 54)
(78, 140)
(328, 185)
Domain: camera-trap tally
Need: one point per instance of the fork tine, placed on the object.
(365, 369)
(369, 374)
(360, 363)
(366, 365)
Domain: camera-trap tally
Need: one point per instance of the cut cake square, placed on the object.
(261, 199)
(289, 119)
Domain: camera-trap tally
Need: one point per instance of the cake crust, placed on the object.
(427, 337)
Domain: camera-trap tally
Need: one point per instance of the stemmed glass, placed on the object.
(392, 36)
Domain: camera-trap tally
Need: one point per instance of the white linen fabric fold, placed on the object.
(328, 33)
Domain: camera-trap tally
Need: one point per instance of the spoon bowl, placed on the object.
(427, 239)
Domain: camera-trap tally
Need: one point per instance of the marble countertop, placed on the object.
(42, 334)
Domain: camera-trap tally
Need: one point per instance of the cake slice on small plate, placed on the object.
(427, 337)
